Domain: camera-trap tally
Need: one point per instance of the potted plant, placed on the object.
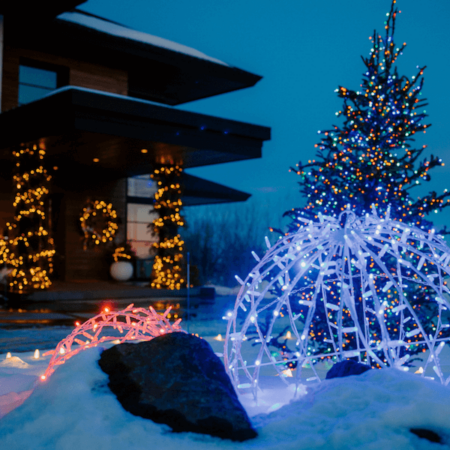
(122, 266)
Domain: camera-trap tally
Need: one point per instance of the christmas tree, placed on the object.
(370, 160)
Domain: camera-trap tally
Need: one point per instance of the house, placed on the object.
(99, 99)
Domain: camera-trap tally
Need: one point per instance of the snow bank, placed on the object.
(234, 291)
(374, 410)
(75, 409)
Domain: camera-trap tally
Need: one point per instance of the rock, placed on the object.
(426, 434)
(178, 380)
(207, 293)
(347, 368)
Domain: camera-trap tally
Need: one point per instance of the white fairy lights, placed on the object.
(365, 275)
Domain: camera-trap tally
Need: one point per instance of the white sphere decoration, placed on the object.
(121, 270)
(360, 269)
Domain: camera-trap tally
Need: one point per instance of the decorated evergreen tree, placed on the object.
(370, 160)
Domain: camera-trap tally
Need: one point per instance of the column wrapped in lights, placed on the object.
(30, 245)
(168, 270)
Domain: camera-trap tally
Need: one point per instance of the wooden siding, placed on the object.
(83, 74)
(90, 264)
(6, 203)
(71, 262)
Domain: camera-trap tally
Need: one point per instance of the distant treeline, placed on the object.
(220, 239)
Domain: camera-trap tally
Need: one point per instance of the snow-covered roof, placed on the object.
(118, 30)
(104, 93)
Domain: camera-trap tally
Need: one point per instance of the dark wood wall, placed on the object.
(83, 74)
(6, 203)
(93, 263)
(71, 262)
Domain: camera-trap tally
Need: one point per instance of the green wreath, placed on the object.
(89, 221)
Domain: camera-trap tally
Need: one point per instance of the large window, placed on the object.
(37, 79)
(140, 214)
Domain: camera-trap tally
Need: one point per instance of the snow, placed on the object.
(74, 408)
(104, 93)
(127, 33)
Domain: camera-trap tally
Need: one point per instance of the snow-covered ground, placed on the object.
(75, 409)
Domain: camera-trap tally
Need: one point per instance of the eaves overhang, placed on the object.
(20, 11)
(198, 191)
(126, 136)
(155, 72)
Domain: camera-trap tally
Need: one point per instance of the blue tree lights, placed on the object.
(370, 158)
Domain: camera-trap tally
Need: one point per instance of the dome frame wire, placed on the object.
(372, 263)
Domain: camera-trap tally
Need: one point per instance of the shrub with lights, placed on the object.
(370, 160)
(168, 270)
(30, 249)
(123, 252)
(339, 272)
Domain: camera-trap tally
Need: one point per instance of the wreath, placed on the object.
(94, 215)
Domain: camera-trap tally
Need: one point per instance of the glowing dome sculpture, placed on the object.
(139, 324)
(377, 286)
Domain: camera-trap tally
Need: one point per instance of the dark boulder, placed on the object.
(424, 433)
(347, 368)
(177, 379)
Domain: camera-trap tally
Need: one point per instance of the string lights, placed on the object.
(121, 254)
(339, 271)
(168, 264)
(140, 324)
(29, 249)
(89, 219)
(369, 160)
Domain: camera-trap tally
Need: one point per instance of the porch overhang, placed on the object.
(94, 135)
(197, 191)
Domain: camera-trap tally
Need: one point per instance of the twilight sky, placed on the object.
(303, 50)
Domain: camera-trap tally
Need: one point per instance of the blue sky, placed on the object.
(303, 50)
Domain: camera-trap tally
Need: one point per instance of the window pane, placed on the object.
(38, 77)
(141, 187)
(141, 213)
(28, 94)
(140, 232)
(142, 249)
(139, 236)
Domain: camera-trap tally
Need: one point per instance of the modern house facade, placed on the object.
(100, 99)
